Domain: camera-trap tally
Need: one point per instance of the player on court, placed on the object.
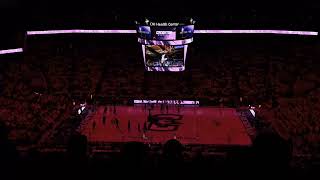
(129, 125)
(104, 120)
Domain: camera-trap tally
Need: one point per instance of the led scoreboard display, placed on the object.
(164, 44)
(144, 32)
(165, 33)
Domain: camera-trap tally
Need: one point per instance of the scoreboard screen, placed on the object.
(165, 44)
(165, 33)
(144, 32)
(185, 32)
(164, 56)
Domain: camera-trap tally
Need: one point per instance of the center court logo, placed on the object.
(165, 122)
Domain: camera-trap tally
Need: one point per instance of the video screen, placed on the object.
(185, 32)
(164, 56)
(144, 32)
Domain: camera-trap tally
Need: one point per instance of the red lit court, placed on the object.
(190, 125)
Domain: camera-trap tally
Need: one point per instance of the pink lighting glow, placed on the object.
(306, 33)
(82, 31)
(11, 51)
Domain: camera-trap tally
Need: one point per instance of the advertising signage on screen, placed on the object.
(164, 33)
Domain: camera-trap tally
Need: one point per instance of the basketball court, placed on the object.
(189, 125)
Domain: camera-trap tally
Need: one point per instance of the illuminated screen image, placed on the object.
(185, 32)
(144, 32)
(165, 57)
(164, 33)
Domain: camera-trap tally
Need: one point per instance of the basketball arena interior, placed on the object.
(95, 90)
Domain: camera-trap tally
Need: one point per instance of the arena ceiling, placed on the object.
(20, 16)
